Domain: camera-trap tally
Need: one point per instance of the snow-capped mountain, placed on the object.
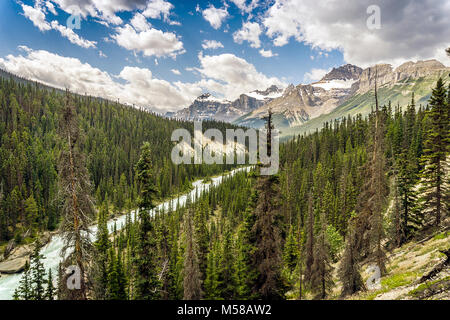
(207, 106)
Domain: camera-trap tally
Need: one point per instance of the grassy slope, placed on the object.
(405, 267)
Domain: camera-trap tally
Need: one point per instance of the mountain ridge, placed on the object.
(340, 93)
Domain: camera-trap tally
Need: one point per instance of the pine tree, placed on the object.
(225, 268)
(407, 169)
(435, 189)
(147, 284)
(37, 273)
(50, 290)
(348, 271)
(24, 290)
(267, 256)
(116, 278)
(309, 246)
(372, 199)
(75, 193)
(244, 276)
(290, 253)
(192, 276)
(102, 246)
(321, 277)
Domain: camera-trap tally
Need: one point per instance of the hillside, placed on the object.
(406, 267)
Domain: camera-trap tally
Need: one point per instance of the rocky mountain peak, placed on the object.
(345, 72)
(271, 89)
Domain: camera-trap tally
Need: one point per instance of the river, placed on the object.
(52, 251)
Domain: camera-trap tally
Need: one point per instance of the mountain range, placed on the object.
(346, 90)
(207, 107)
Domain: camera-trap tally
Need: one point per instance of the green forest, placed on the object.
(111, 135)
(345, 195)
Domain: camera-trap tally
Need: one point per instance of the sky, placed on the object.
(162, 54)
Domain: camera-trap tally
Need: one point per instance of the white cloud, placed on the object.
(211, 44)
(175, 71)
(157, 9)
(102, 55)
(315, 75)
(151, 42)
(250, 32)
(267, 53)
(72, 36)
(141, 88)
(101, 9)
(51, 7)
(231, 76)
(37, 16)
(410, 29)
(246, 6)
(215, 16)
(139, 22)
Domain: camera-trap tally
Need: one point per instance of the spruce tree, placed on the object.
(434, 191)
(102, 246)
(147, 284)
(192, 276)
(267, 256)
(321, 271)
(24, 290)
(349, 273)
(50, 290)
(78, 207)
(37, 273)
(309, 246)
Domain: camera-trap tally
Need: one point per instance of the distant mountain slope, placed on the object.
(208, 107)
(345, 91)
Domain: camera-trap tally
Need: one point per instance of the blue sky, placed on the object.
(151, 52)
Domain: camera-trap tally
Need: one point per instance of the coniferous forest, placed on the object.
(346, 197)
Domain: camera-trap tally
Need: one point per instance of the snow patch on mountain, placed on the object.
(335, 84)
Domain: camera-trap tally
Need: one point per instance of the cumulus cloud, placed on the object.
(215, 16)
(150, 42)
(37, 16)
(410, 29)
(139, 22)
(267, 53)
(175, 71)
(231, 76)
(140, 88)
(315, 75)
(211, 44)
(157, 9)
(250, 32)
(246, 6)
